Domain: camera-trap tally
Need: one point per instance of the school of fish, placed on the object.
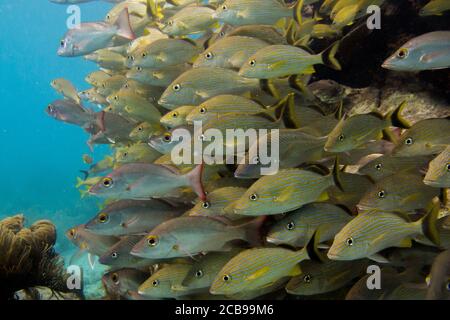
(221, 231)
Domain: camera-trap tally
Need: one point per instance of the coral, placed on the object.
(27, 257)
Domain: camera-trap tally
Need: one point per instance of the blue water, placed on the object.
(40, 157)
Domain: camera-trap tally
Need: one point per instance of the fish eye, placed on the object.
(72, 233)
(226, 277)
(103, 217)
(139, 69)
(62, 43)
(140, 128)
(409, 141)
(116, 98)
(341, 137)
(290, 225)
(448, 286)
(209, 55)
(206, 205)
(50, 109)
(224, 7)
(199, 274)
(125, 154)
(349, 242)
(114, 255)
(448, 167)
(402, 53)
(177, 87)
(152, 241)
(381, 194)
(252, 63)
(115, 278)
(175, 114)
(203, 110)
(155, 283)
(221, 33)
(144, 54)
(254, 197)
(107, 182)
(378, 166)
(108, 17)
(167, 137)
(170, 22)
(307, 278)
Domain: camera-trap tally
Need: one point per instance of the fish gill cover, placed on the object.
(256, 148)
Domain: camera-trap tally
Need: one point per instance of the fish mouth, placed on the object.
(136, 253)
(431, 183)
(387, 65)
(163, 102)
(333, 256)
(178, 288)
(361, 208)
(273, 240)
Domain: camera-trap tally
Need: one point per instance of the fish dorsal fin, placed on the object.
(402, 215)
(190, 41)
(376, 114)
(316, 168)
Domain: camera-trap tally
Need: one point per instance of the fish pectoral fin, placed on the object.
(158, 75)
(202, 94)
(378, 258)
(258, 273)
(434, 55)
(277, 64)
(161, 57)
(285, 195)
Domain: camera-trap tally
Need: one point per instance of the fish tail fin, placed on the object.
(428, 222)
(297, 12)
(300, 83)
(195, 180)
(312, 248)
(277, 110)
(86, 174)
(79, 182)
(153, 10)
(252, 231)
(268, 86)
(336, 174)
(329, 56)
(124, 26)
(396, 119)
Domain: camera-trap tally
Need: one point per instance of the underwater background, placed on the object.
(41, 158)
